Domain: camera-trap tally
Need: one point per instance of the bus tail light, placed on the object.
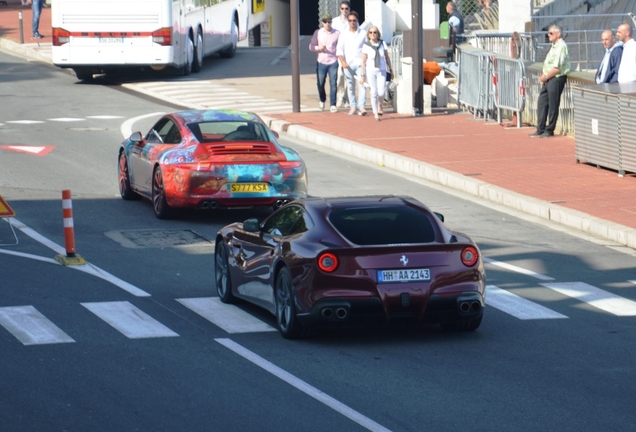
(61, 37)
(163, 36)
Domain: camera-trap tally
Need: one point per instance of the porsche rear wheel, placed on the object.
(124, 179)
(286, 320)
(159, 202)
(222, 274)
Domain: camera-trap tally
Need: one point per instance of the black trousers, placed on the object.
(548, 104)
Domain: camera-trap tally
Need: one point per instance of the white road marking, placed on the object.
(66, 119)
(30, 256)
(301, 385)
(104, 117)
(129, 320)
(518, 306)
(25, 121)
(86, 268)
(596, 297)
(30, 327)
(126, 127)
(229, 317)
(516, 269)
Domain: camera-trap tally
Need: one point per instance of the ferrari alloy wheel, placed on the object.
(222, 273)
(124, 179)
(286, 320)
(159, 203)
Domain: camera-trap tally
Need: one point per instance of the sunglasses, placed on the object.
(326, 21)
(353, 20)
(550, 33)
(344, 8)
(373, 32)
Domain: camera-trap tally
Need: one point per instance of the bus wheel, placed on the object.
(197, 62)
(187, 66)
(231, 50)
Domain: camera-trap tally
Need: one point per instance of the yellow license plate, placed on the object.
(248, 187)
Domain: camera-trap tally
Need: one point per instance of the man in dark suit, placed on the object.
(608, 69)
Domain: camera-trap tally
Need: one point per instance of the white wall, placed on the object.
(513, 14)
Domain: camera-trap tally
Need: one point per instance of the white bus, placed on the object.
(97, 36)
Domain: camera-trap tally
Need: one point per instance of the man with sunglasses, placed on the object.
(555, 69)
(349, 53)
(324, 42)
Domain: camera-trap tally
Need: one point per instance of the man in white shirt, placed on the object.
(341, 24)
(627, 70)
(349, 52)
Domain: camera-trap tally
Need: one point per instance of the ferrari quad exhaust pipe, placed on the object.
(331, 313)
(464, 307)
(475, 306)
(209, 205)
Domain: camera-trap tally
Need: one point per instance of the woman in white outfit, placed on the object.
(375, 64)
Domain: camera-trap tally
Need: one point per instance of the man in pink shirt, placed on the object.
(324, 42)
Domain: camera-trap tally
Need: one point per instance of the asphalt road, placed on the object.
(126, 349)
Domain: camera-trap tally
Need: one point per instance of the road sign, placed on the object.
(5, 209)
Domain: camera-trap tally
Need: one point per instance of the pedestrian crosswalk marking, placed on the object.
(518, 306)
(596, 297)
(229, 317)
(30, 327)
(517, 269)
(129, 320)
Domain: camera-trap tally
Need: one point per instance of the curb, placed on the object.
(31, 51)
(575, 219)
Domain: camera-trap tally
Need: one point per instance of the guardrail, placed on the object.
(396, 52)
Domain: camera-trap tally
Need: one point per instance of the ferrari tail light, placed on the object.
(60, 37)
(327, 262)
(469, 256)
(163, 36)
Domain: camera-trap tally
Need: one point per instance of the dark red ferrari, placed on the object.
(343, 261)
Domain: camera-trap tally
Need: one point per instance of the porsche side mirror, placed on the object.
(275, 134)
(439, 216)
(136, 137)
(251, 225)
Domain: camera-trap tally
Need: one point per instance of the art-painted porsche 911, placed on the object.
(341, 261)
(209, 159)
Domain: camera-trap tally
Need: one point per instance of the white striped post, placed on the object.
(69, 229)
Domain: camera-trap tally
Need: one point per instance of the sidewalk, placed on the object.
(503, 165)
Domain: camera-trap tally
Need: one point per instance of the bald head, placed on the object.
(607, 38)
(624, 32)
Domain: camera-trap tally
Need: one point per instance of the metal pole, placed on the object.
(21, 32)
(295, 54)
(418, 58)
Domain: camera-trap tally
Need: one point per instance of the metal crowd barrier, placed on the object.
(509, 82)
(396, 51)
(474, 88)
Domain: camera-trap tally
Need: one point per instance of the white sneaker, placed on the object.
(334, 108)
(322, 106)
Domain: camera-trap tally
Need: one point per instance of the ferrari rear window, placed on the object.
(383, 225)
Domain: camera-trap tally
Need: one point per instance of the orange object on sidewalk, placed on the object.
(431, 70)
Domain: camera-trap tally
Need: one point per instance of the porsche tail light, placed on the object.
(60, 37)
(290, 164)
(327, 262)
(163, 36)
(469, 256)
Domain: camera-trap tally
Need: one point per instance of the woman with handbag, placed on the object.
(375, 65)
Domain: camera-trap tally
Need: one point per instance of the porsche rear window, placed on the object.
(229, 131)
(383, 225)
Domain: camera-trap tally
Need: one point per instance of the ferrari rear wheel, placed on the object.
(124, 180)
(222, 274)
(159, 202)
(286, 320)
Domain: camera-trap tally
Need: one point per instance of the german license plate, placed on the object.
(248, 187)
(404, 275)
(111, 40)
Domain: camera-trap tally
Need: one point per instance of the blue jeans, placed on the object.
(36, 7)
(353, 83)
(321, 74)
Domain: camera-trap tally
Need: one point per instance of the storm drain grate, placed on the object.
(147, 238)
